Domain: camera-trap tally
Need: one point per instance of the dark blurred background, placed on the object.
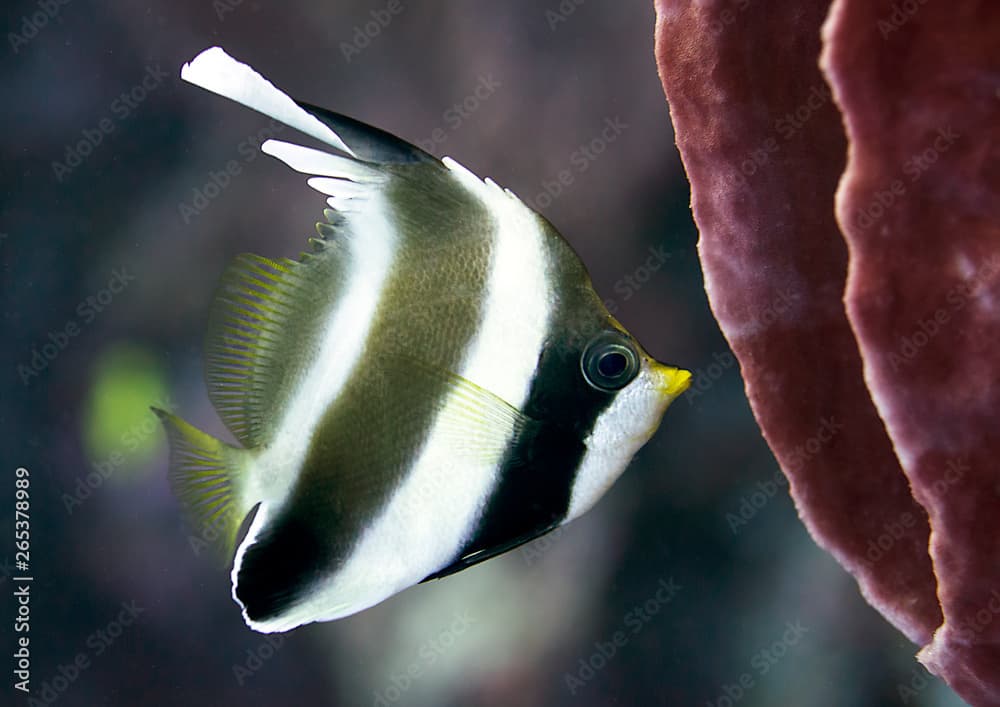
(691, 583)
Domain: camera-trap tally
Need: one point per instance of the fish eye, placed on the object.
(609, 362)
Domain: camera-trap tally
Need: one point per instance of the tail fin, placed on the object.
(209, 477)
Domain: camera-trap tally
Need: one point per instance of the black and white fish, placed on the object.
(435, 383)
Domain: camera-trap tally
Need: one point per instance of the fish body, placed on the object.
(434, 383)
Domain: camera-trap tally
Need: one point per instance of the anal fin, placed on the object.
(209, 477)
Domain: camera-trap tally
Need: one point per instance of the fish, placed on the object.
(432, 383)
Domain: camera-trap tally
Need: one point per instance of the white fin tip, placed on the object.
(216, 71)
(306, 160)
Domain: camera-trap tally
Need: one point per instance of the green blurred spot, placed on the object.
(119, 430)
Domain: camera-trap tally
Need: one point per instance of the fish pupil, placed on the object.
(609, 362)
(612, 364)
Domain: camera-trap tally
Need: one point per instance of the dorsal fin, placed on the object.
(216, 71)
(262, 319)
(368, 142)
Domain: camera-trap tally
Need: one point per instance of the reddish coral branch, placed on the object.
(918, 345)
(919, 85)
(764, 148)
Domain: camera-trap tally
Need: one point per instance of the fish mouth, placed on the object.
(669, 381)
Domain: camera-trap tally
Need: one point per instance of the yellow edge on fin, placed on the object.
(207, 476)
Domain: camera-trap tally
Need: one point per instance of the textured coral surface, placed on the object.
(901, 386)
(920, 207)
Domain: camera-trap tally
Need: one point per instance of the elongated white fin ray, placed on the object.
(343, 196)
(340, 188)
(306, 160)
(342, 179)
(216, 71)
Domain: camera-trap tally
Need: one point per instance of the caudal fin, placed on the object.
(210, 478)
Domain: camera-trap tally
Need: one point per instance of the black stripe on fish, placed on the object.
(539, 469)
(287, 548)
(343, 484)
(368, 142)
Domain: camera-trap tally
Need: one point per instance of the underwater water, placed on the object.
(126, 192)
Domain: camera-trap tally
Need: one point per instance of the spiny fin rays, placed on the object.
(260, 313)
